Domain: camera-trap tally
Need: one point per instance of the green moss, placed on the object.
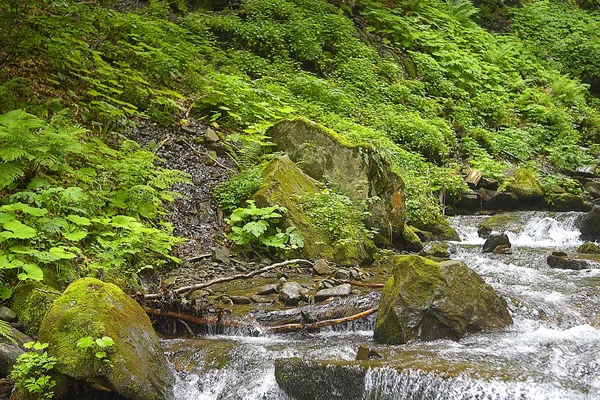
(90, 307)
(525, 185)
(589, 248)
(31, 302)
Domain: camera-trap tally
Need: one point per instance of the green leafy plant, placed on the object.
(259, 227)
(231, 193)
(32, 371)
(100, 345)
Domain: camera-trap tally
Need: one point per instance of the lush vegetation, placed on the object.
(421, 81)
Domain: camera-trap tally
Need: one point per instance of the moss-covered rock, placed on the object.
(286, 185)
(441, 230)
(589, 248)
(90, 307)
(499, 223)
(567, 202)
(411, 241)
(428, 300)
(31, 302)
(525, 186)
(357, 170)
(435, 250)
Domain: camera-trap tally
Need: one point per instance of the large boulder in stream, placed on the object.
(525, 186)
(496, 243)
(357, 170)
(590, 225)
(427, 300)
(286, 185)
(137, 369)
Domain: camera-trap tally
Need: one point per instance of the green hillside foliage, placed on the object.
(421, 80)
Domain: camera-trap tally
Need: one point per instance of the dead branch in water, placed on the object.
(186, 289)
(190, 318)
(369, 285)
(319, 324)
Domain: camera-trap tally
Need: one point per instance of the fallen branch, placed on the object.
(190, 318)
(319, 324)
(196, 258)
(369, 285)
(186, 289)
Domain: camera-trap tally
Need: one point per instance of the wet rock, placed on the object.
(8, 357)
(266, 289)
(222, 255)
(356, 274)
(169, 282)
(427, 300)
(568, 202)
(326, 284)
(498, 223)
(291, 293)
(502, 249)
(90, 307)
(342, 274)
(525, 186)
(469, 201)
(436, 249)
(563, 261)
(197, 294)
(363, 352)
(240, 299)
(31, 301)
(587, 171)
(590, 225)
(589, 248)
(410, 241)
(6, 314)
(283, 184)
(495, 201)
(425, 236)
(494, 240)
(261, 299)
(593, 188)
(309, 380)
(337, 291)
(322, 267)
(488, 183)
(359, 171)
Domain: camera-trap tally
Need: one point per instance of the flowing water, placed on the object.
(552, 351)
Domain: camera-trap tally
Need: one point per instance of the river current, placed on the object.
(552, 351)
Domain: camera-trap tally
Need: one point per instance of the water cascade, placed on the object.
(551, 352)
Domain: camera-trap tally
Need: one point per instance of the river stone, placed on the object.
(90, 307)
(494, 201)
(436, 249)
(240, 299)
(267, 289)
(428, 300)
(563, 261)
(336, 291)
(8, 357)
(590, 225)
(357, 170)
(568, 202)
(283, 184)
(495, 240)
(322, 267)
(593, 188)
(211, 135)
(291, 293)
(31, 301)
(6, 314)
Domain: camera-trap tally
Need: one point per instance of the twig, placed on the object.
(369, 285)
(198, 257)
(162, 143)
(319, 324)
(209, 156)
(185, 289)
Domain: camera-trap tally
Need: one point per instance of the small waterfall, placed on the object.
(546, 231)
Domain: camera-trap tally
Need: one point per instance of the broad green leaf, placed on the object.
(100, 354)
(21, 250)
(19, 230)
(5, 292)
(60, 252)
(256, 228)
(40, 346)
(122, 221)
(32, 271)
(36, 183)
(76, 219)
(27, 209)
(85, 342)
(273, 241)
(5, 218)
(105, 341)
(75, 236)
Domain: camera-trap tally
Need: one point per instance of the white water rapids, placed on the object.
(552, 351)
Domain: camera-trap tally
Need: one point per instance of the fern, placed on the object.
(6, 331)
(462, 10)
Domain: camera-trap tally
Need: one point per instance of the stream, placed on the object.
(550, 352)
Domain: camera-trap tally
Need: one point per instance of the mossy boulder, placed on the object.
(568, 202)
(440, 229)
(31, 302)
(355, 169)
(427, 300)
(435, 250)
(499, 223)
(589, 248)
(525, 186)
(286, 185)
(590, 225)
(138, 369)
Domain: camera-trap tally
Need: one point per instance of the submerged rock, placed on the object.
(90, 307)
(428, 300)
(561, 260)
(284, 184)
(357, 170)
(495, 241)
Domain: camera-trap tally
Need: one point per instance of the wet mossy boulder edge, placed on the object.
(31, 302)
(89, 307)
(427, 300)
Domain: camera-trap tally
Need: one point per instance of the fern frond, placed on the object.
(462, 10)
(250, 155)
(9, 172)
(13, 153)
(6, 331)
